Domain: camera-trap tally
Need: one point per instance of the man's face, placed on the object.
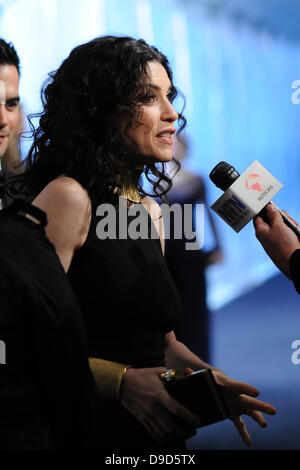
(9, 101)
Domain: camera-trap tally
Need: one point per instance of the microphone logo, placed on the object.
(254, 182)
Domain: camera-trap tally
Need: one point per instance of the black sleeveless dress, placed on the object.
(129, 302)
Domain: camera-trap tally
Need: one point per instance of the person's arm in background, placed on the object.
(198, 195)
(280, 243)
(217, 255)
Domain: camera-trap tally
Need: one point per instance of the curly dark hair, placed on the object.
(8, 55)
(83, 101)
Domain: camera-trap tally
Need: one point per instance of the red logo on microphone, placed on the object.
(254, 182)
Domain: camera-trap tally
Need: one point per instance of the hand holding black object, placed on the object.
(144, 395)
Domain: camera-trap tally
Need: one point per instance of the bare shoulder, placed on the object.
(67, 190)
(66, 196)
(68, 208)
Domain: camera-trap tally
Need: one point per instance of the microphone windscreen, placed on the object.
(223, 175)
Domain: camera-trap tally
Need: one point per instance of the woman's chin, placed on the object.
(157, 158)
(163, 157)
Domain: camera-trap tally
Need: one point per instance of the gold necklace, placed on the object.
(131, 193)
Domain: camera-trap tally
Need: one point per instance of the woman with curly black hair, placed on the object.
(107, 122)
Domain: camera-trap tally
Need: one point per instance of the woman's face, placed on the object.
(153, 135)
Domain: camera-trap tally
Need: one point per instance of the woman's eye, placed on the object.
(150, 98)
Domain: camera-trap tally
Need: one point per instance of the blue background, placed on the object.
(235, 61)
(235, 73)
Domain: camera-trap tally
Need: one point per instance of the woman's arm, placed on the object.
(68, 210)
(178, 356)
(238, 396)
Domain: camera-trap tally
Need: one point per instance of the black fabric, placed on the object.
(129, 302)
(295, 269)
(187, 268)
(5, 198)
(126, 295)
(188, 271)
(46, 387)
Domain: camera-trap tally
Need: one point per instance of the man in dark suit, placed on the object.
(47, 390)
(43, 361)
(9, 102)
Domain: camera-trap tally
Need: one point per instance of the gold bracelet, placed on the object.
(108, 376)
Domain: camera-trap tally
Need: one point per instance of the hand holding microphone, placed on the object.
(278, 233)
(224, 175)
(277, 239)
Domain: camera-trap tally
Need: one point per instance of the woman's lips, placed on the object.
(165, 138)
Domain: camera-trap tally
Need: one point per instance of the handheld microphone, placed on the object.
(238, 205)
(223, 175)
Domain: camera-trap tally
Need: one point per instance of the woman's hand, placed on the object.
(239, 398)
(143, 394)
